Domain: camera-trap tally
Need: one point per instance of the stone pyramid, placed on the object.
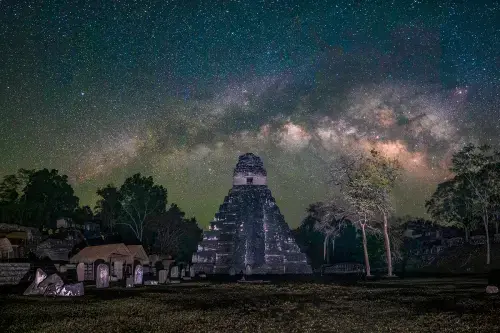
(248, 233)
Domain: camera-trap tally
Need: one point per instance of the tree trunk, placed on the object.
(333, 249)
(387, 246)
(365, 250)
(485, 220)
(467, 232)
(325, 248)
(496, 226)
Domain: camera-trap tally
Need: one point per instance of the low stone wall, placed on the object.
(12, 273)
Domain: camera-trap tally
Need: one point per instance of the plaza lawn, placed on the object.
(418, 305)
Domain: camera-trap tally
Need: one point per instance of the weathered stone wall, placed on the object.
(12, 273)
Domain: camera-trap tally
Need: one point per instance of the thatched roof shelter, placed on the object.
(139, 253)
(108, 253)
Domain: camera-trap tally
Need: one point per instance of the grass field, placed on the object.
(416, 305)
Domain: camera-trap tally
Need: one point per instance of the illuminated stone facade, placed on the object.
(248, 232)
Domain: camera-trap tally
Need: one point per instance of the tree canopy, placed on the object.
(473, 194)
(140, 200)
(366, 183)
(108, 206)
(37, 197)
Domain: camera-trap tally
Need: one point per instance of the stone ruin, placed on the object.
(248, 233)
(53, 285)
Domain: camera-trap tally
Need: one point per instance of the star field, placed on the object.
(178, 89)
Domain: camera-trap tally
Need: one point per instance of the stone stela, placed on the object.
(248, 233)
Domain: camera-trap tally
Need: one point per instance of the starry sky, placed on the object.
(178, 89)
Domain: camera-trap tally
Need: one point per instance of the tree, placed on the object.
(367, 183)
(108, 207)
(140, 200)
(451, 206)
(475, 186)
(47, 196)
(169, 230)
(497, 220)
(82, 215)
(403, 245)
(192, 237)
(9, 194)
(9, 188)
(330, 221)
(309, 239)
(13, 209)
(175, 235)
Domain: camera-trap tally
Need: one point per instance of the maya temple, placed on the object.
(248, 233)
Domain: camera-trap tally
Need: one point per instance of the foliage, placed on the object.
(9, 195)
(140, 199)
(192, 237)
(9, 189)
(473, 194)
(367, 183)
(48, 196)
(330, 221)
(309, 238)
(174, 234)
(82, 215)
(108, 206)
(139, 205)
(451, 206)
(347, 245)
(36, 197)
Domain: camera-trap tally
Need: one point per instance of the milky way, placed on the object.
(179, 89)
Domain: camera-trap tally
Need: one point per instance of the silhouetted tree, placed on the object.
(169, 230)
(175, 235)
(192, 237)
(309, 239)
(82, 215)
(46, 197)
(451, 206)
(140, 200)
(108, 206)
(13, 209)
(9, 188)
(476, 185)
(9, 194)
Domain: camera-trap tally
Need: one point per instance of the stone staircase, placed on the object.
(12, 273)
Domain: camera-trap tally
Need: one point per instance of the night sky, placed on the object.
(178, 89)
